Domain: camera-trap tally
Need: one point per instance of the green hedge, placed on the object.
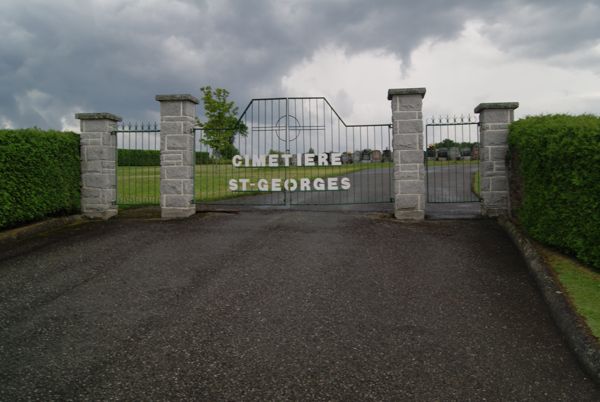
(39, 175)
(138, 157)
(557, 181)
(141, 157)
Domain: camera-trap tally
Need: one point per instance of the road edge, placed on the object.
(581, 342)
(33, 229)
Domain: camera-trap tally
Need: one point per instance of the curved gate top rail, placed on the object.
(294, 128)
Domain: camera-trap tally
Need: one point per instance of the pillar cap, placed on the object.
(177, 97)
(406, 91)
(496, 105)
(98, 116)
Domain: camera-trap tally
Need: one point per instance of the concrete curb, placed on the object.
(579, 338)
(33, 229)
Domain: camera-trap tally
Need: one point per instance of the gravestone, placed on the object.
(466, 153)
(365, 156)
(475, 152)
(356, 156)
(346, 158)
(387, 156)
(453, 153)
(376, 156)
(442, 154)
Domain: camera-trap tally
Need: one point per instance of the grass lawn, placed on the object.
(581, 284)
(451, 163)
(140, 185)
(476, 184)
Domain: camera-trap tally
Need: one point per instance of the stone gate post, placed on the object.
(407, 142)
(177, 119)
(98, 152)
(494, 119)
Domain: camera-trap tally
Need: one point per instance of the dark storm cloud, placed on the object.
(61, 56)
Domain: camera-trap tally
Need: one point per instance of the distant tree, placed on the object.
(221, 125)
(311, 151)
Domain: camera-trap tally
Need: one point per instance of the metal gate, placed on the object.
(452, 159)
(294, 151)
(138, 164)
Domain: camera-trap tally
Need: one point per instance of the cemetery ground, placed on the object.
(271, 305)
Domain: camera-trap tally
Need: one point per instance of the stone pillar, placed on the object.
(98, 152)
(494, 119)
(407, 142)
(177, 119)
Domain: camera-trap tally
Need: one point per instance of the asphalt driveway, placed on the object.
(278, 306)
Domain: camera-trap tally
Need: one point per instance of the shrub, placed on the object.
(202, 158)
(39, 175)
(138, 157)
(555, 187)
(141, 157)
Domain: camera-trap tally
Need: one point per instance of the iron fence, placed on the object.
(138, 164)
(452, 159)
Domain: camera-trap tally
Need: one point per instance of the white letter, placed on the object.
(258, 160)
(298, 159)
(273, 160)
(244, 182)
(304, 184)
(276, 185)
(292, 187)
(233, 186)
(322, 159)
(309, 160)
(319, 184)
(345, 183)
(263, 185)
(286, 159)
(332, 183)
(246, 160)
(236, 161)
(336, 159)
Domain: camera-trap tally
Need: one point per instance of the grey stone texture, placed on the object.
(407, 141)
(98, 151)
(177, 118)
(495, 119)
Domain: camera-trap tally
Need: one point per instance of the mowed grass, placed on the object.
(451, 163)
(581, 284)
(476, 184)
(140, 185)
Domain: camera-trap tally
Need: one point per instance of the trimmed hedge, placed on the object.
(39, 175)
(555, 185)
(142, 157)
(138, 157)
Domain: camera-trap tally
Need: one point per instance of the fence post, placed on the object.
(407, 142)
(177, 119)
(98, 151)
(494, 119)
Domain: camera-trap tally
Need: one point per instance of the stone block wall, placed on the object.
(494, 120)
(177, 157)
(98, 152)
(407, 142)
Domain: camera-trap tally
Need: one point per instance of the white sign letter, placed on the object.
(345, 182)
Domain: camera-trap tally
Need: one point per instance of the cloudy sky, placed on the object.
(59, 57)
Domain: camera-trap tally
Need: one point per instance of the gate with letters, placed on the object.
(293, 151)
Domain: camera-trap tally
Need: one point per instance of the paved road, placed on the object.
(451, 183)
(278, 306)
